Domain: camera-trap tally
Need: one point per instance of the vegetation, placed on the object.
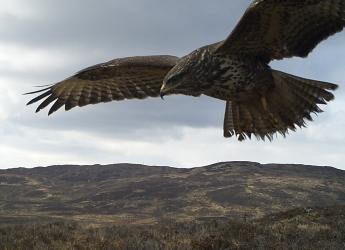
(295, 229)
(127, 193)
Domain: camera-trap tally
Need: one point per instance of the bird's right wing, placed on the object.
(276, 29)
(119, 79)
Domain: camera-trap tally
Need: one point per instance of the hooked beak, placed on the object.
(162, 93)
(167, 89)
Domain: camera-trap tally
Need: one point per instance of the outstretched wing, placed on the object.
(119, 79)
(275, 29)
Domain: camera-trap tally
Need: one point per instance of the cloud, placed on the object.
(192, 147)
(43, 42)
(19, 59)
(117, 26)
(18, 9)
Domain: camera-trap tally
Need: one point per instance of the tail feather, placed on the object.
(286, 106)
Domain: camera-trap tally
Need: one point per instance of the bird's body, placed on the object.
(260, 101)
(222, 76)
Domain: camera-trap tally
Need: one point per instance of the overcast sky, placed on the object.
(44, 41)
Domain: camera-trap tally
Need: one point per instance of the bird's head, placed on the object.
(184, 78)
(176, 78)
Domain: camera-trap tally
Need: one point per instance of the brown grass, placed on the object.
(295, 229)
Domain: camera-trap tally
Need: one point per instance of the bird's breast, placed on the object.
(233, 73)
(232, 76)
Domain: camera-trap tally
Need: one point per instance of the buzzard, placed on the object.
(260, 101)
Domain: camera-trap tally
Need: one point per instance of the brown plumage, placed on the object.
(260, 101)
(116, 80)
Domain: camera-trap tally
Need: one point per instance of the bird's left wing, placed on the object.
(276, 29)
(119, 79)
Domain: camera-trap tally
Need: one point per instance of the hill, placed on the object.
(139, 194)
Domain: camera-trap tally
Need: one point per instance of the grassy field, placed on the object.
(296, 229)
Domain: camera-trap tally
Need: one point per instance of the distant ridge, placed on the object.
(145, 194)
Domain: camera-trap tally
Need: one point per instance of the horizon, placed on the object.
(175, 167)
(39, 46)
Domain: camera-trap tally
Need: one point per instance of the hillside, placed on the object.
(139, 194)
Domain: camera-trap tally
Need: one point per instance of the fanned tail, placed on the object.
(286, 106)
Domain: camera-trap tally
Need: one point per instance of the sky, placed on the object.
(45, 41)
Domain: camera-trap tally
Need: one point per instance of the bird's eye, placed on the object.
(175, 78)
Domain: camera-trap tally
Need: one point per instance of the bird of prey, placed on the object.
(260, 101)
